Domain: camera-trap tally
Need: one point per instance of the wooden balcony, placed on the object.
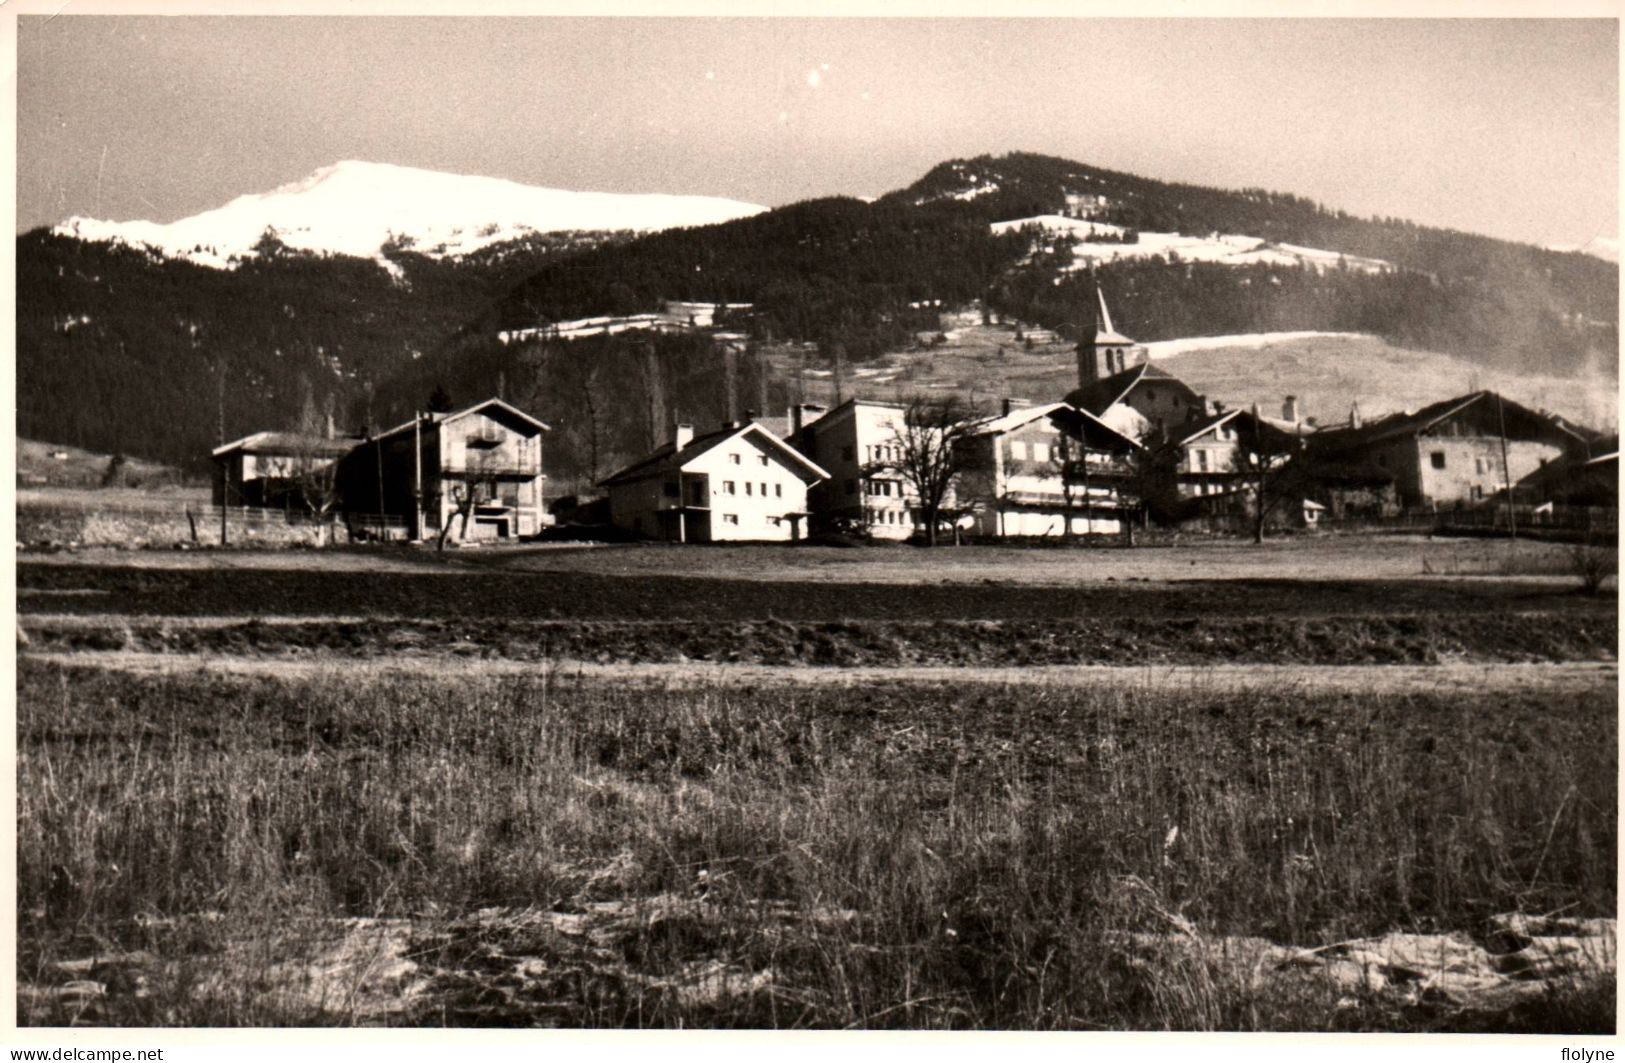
(492, 465)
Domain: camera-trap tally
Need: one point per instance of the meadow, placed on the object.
(270, 794)
(911, 854)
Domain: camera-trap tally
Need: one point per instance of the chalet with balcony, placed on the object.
(737, 483)
(1051, 470)
(470, 474)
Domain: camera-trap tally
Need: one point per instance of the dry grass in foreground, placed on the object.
(201, 849)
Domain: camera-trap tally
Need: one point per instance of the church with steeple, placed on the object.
(1102, 350)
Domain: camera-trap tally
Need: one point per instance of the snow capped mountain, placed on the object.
(357, 208)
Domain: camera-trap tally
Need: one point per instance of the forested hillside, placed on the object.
(825, 270)
(1507, 304)
(124, 351)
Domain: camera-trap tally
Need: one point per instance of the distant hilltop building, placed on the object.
(674, 316)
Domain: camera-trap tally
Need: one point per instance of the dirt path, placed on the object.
(1556, 679)
(1348, 557)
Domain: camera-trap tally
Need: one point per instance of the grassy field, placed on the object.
(552, 851)
(984, 364)
(1345, 558)
(630, 787)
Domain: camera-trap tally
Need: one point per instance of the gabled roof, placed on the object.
(1101, 395)
(667, 458)
(286, 443)
(1025, 415)
(1009, 422)
(1520, 421)
(1207, 424)
(504, 411)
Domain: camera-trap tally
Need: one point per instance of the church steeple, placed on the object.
(1102, 350)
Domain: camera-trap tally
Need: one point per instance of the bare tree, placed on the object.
(1264, 459)
(315, 467)
(464, 493)
(929, 452)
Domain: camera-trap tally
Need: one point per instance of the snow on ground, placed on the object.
(1603, 247)
(1225, 249)
(1256, 340)
(357, 208)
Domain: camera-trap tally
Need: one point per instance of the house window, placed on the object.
(747, 487)
(1478, 466)
(727, 487)
(1018, 450)
(1040, 451)
(730, 518)
(762, 458)
(1438, 459)
(764, 490)
(778, 490)
(734, 458)
(1201, 460)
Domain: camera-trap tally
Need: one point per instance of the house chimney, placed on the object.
(1011, 404)
(803, 414)
(1289, 409)
(683, 436)
(1355, 420)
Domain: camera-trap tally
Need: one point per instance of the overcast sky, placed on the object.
(1506, 127)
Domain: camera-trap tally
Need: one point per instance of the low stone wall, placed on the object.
(42, 528)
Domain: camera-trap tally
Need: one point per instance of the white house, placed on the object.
(739, 482)
(859, 442)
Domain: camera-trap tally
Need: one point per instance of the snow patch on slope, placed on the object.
(1255, 340)
(1603, 247)
(360, 208)
(1220, 248)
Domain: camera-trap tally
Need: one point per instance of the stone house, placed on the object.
(1457, 453)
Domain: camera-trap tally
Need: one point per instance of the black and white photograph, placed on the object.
(700, 520)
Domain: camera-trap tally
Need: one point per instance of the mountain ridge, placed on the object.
(363, 209)
(124, 350)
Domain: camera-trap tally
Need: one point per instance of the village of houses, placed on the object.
(1131, 441)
